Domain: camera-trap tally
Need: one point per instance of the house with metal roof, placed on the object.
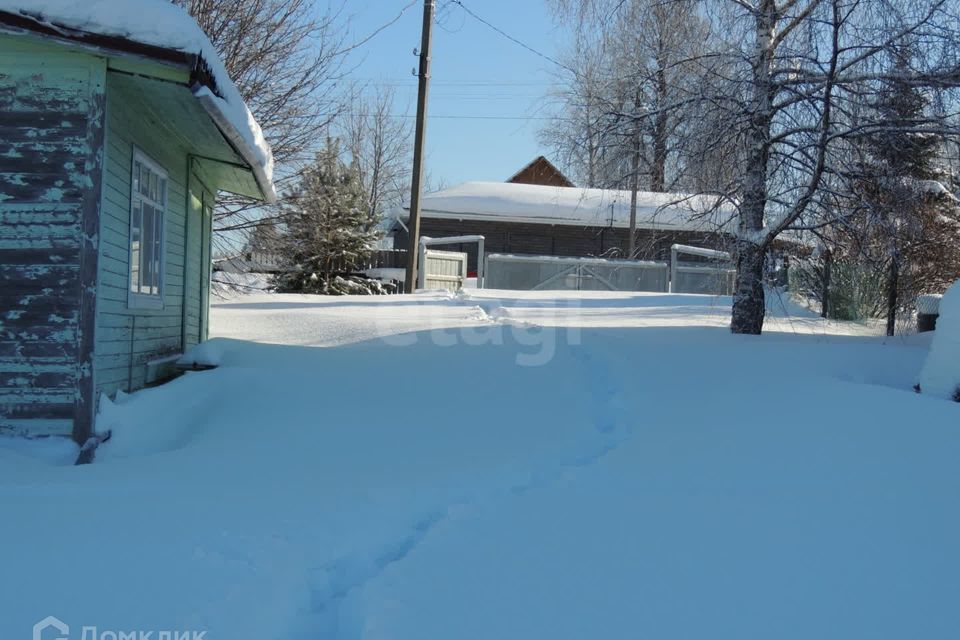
(547, 220)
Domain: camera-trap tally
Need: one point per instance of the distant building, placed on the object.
(568, 221)
(541, 171)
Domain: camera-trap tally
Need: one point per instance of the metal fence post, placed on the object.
(480, 261)
(673, 268)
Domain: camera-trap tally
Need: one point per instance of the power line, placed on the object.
(450, 117)
(511, 38)
(380, 29)
(458, 117)
(412, 83)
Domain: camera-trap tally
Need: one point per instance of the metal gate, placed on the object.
(548, 273)
(714, 275)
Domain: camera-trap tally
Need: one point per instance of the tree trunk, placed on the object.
(892, 295)
(634, 180)
(748, 300)
(825, 290)
(658, 174)
(749, 304)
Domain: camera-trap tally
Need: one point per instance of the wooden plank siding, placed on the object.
(561, 240)
(71, 118)
(206, 262)
(50, 165)
(541, 171)
(128, 338)
(197, 256)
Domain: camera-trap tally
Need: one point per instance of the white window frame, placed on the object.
(135, 299)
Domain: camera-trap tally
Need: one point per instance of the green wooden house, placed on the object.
(118, 128)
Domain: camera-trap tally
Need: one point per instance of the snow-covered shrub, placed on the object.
(941, 373)
(856, 291)
(355, 285)
(339, 285)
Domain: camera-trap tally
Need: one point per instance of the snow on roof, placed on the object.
(510, 202)
(160, 23)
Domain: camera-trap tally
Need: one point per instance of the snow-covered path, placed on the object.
(691, 521)
(503, 466)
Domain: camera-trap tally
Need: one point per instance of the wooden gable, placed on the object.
(541, 171)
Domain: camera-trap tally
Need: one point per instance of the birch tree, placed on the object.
(778, 84)
(623, 122)
(378, 143)
(580, 137)
(800, 63)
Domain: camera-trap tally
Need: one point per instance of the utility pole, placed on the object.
(416, 188)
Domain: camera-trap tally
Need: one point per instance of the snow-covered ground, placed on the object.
(503, 465)
(309, 320)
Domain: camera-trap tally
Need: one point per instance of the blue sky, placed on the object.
(476, 72)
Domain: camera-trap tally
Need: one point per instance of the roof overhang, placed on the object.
(200, 86)
(184, 120)
(213, 108)
(17, 22)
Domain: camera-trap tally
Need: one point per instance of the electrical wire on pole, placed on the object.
(416, 187)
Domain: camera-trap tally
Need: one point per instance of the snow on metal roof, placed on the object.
(159, 23)
(510, 202)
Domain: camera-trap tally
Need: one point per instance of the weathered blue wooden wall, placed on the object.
(70, 121)
(50, 166)
(197, 258)
(129, 338)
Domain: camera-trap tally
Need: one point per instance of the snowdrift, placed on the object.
(941, 373)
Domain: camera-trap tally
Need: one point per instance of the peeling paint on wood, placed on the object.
(34, 379)
(50, 164)
(37, 258)
(85, 405)
(67, 132)
(39, 352)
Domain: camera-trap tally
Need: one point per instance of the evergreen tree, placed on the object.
(330, 230)
(906, 225)
(264, 239)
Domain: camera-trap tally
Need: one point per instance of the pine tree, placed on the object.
(906, 227)
(263, 241)
(330, 230)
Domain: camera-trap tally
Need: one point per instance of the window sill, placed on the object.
(137, 301)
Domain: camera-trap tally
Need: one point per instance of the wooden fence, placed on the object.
(387, 259)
